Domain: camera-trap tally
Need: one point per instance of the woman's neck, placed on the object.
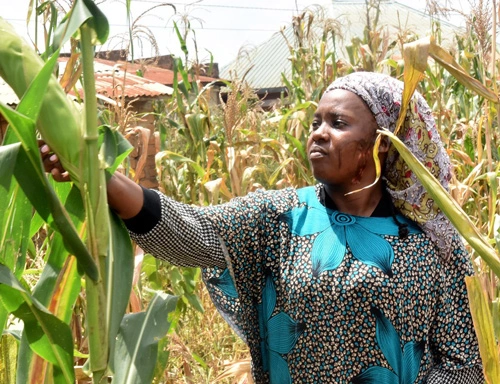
(361, 203)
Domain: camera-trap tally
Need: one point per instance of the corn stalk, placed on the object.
(46, 350)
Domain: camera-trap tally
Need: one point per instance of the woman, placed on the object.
(334, 283)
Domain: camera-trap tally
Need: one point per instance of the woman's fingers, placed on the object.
(60, 176)
(51, 163)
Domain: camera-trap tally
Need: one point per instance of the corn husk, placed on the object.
(59, 121)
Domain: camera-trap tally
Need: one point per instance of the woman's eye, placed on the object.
(338, 123)
(315, 125)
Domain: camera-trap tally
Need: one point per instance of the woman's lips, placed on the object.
(317, 152)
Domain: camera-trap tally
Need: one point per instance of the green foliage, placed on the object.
(137, 342)
(76, 221)
(47, 335)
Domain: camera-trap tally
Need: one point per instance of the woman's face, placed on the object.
(341, 141)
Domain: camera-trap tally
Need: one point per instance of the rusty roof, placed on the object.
(151, 72)
(111, 82)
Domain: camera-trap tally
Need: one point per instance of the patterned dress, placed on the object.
(320, 296)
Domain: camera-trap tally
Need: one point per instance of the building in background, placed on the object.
(264, 67)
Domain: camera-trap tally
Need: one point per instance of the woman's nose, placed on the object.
(320, 133)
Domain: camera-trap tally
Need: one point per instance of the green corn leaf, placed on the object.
(181, 40)
(83, 11)
(48, 336)
(162, 361)
(32, 178)
(57, 121)
(108, 146)
(182, 159)
(120, 272)
(15, 216)
(483, 324)
(58, 287)
(291, 112)
(495, 309)
(448, 205)
(56, 255)
(29, 171)
(98, 23)
(137, 342)
(298, 145)
(114, 148)
(8, 157)
(185, 87)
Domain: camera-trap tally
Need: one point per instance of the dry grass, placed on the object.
(207, 350)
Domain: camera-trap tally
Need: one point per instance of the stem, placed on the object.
(94, 197)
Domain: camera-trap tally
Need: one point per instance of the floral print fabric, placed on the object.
(326, 298)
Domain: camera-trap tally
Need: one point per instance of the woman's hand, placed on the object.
(51, 163)
(125, 197)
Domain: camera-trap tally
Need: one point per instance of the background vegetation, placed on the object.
(208, 155)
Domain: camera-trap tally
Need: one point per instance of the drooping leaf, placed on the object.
(137, 341)
(99, 23)
(447, 61)
(448, 205)
(415, 58)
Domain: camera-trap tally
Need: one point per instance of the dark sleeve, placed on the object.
(149, 215)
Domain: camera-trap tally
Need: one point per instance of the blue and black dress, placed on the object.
(321, 296)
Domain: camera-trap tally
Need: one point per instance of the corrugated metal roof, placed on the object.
(7, 95)
(111, 82)
(151, 72)
(266, 63)
(122, 84)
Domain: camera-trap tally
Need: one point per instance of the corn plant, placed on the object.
(483, 291)
(85, 239)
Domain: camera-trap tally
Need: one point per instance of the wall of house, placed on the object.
(148, 176)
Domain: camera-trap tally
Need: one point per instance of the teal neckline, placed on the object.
(331, 232)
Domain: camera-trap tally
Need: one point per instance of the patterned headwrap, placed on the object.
(383, 96)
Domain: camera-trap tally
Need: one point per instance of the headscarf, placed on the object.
(383, 96)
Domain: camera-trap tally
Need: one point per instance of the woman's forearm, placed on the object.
(125, 196)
